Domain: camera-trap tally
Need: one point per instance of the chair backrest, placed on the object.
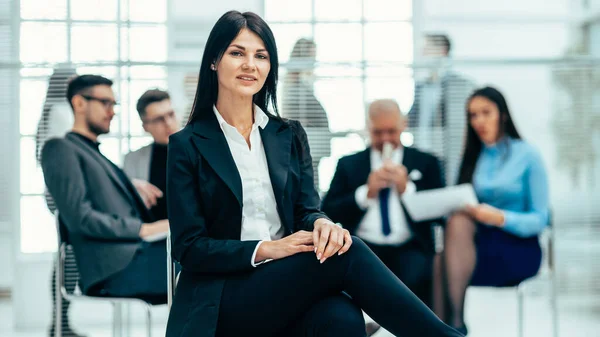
(67, 274)
(61, 229)
(547, 243)
(171, 273)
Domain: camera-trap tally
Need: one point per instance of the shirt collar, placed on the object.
(93, 144)
(260, 118)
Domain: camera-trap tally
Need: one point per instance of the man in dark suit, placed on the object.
(437, 118)
(366, 192)
(106, 222)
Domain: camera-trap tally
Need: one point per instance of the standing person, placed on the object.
(258, 256)
(300, 103)
(436, 117)
(496, 242)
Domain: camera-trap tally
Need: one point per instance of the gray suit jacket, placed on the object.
(449, 117)
(98, 210)
(137, 163)
(456, 89)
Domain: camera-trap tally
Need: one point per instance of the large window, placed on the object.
(124, 40)
(364, 49)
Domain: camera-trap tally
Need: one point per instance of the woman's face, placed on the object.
(245, 65)
(484, 119)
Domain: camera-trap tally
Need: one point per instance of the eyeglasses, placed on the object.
(107, 102)
(160, 119)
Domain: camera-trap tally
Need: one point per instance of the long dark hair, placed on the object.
(473, 145)
(224, 31)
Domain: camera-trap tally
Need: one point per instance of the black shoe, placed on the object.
(372, 328)
(68, 332)
(463, 330)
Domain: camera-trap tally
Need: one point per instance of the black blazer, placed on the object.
(204, 193)
(353, 171)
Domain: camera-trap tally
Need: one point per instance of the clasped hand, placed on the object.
(388, 175)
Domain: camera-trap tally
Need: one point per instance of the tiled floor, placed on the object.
(493, 313)
(490, 313)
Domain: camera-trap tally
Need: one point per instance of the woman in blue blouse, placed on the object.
(494, 243)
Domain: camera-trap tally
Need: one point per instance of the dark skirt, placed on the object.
(504, 259)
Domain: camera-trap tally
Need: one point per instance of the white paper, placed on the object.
(437, 203)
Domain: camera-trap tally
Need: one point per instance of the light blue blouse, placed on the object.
(511, 177)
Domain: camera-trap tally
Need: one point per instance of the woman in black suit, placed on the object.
(258, 256)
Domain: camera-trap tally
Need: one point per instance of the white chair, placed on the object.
(65, 252)
(172, 275)
(546, 274)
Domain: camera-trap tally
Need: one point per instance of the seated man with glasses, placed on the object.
(147, 167)
(105, 218)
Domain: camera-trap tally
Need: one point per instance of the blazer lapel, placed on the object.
(408, 159)
(104, 162)
(212, 145)
(144, 162)
(277, 142)
(362, 167)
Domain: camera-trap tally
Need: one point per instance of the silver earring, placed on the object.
(212, 67)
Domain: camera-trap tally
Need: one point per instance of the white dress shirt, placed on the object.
(429, 103)
(369, 228)
(260, 220)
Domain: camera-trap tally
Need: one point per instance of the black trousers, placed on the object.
(145, 277)
(298, 296)
(411, 264)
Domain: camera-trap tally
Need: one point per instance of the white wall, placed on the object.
(9, 130)
(189, 23)
(594, 39)
(501, 29)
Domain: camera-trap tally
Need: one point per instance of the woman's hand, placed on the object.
(329, 239)
(486, 214)
(298, 242)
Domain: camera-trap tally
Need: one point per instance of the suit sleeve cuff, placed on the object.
(134, 226)
(410, 188)
(256, 264)
(360, 196)
(511, 224)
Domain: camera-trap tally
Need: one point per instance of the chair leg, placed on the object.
(554, 309)
(117, 319)
(148, 321)
(127, 320)
(520, 312)
(58, 300)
